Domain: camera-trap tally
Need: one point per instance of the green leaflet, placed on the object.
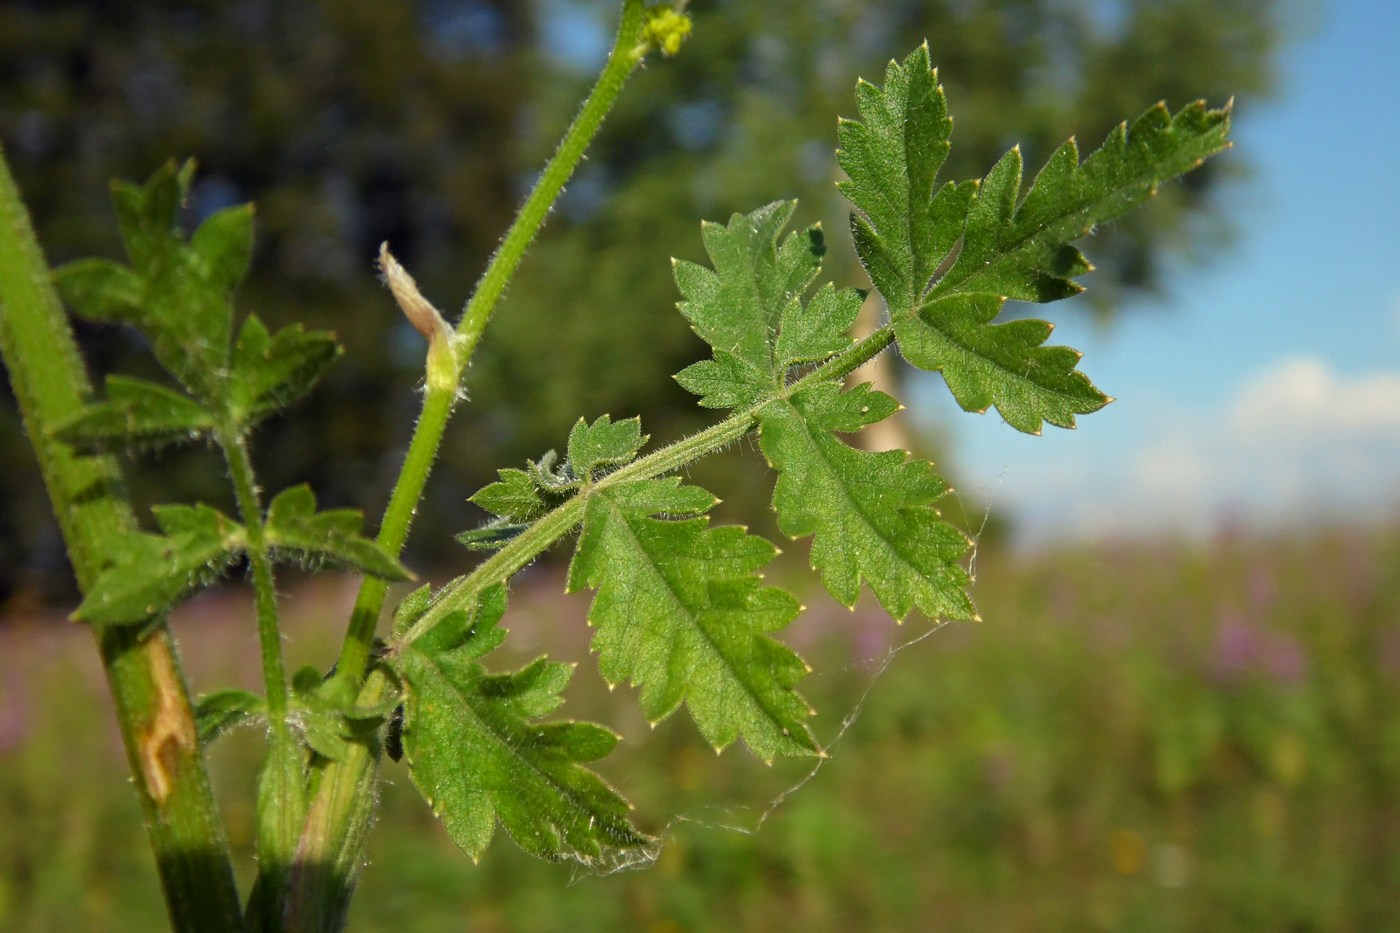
(150, 573)
(270, 371)
(1005, 365)
(478, 753)
(892, 160)
(1002, 245)
(135, 411)
(1022, 251)
(871, 514)
(681, 612)
(603, 443)
(753, 293)
(515, 496)
(295, 529)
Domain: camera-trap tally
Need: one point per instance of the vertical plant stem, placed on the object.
(281, 786)
(627, 52)
(422, 451)
(148, 688)
(245, 491)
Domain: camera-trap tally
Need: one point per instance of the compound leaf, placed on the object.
(139, 414)
(946, 262)
(871, 514)
(1022, 251)
(478, 754)
(152, 572)
(294, 527)
(682, 612)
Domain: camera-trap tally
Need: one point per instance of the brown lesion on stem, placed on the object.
(167, 739)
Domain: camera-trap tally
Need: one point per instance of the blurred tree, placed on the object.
(355, 121)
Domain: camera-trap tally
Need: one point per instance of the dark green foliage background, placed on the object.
(1217, 717)
(350, 122)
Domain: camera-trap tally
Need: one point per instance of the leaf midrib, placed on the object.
(498, 739)
(675, 598)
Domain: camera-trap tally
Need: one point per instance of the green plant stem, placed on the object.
(329, 855)
(422, 451)
(281, 786)
(626, 55)
(148, 689)
(245, 492)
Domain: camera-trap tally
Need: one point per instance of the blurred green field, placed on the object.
(1139, 737)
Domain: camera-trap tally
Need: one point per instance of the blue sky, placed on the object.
(1264, 389)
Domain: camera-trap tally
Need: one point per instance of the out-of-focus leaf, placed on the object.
(222, 710)
(137, 413)
(269, 371)
(295, 528)
(151, 573)
(101, 290)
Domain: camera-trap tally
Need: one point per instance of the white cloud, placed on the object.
(1298, 442)
(1304, 394)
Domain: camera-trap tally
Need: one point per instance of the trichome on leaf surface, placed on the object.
(680, 610)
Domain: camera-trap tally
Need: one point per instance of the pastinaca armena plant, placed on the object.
(679, 611)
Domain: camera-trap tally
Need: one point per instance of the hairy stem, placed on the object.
(626, 55)
(148, 689)
(281, 790)
(245, 491)
(329, 854)
(422, 451)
